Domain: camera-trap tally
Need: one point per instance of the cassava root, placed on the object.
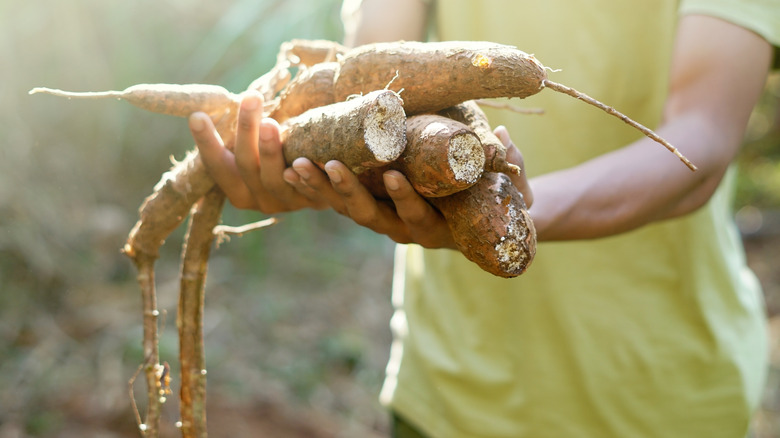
(363, 132)
(442, 156)
(491, 226)
(470, 114)
(488, 217)
(173, 99)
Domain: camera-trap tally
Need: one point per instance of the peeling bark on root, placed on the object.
(491, 226)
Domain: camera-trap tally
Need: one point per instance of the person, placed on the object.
(639, 316)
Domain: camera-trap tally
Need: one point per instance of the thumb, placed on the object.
(514, 156)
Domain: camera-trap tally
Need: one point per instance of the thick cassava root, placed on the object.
(428, 72)
(442, 156)
(405, 106)
(363, 132)
(491, 226)
(312, 88)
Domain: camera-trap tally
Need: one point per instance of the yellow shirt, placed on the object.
(654, 333)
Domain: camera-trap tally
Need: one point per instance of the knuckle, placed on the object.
(270, 207)
(416, 218)
(247, 164)
(242, 203)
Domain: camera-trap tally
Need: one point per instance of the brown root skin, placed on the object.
(491, 226)
(442, 156)
(465, 70)
(173, 99)
(271, 83)
(165, 209)
(146, 281)
(312, 88)
(364, 132)
(204, 217)
(470, 114)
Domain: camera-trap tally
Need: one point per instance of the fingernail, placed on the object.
(391, 182)
(196, 122)
(334, 175)
(266, 132)
(289, 177)
(302, 172)
(501, 133)
(250, 102)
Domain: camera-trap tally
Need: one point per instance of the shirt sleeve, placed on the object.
(759, 16)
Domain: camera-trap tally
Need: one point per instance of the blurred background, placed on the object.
(296, 320)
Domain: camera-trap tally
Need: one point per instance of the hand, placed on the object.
(406, 218)
(252, 174)
(514, 156)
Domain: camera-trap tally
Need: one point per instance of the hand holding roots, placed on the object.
(374, 108)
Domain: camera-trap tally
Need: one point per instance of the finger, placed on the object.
(317, 181)
(273, 164)
(219, 161)
(292, 178)
(252, 133)
(250, 113)
(514, 156)
(425, 224)
(361, 206)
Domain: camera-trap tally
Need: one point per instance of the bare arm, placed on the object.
(718, 72)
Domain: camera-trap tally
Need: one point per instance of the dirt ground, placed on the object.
(333, 383)
(763, 253)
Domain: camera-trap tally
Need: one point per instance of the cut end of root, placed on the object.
(385, 127)
(466, 158)
(516, 249)
(612, 111)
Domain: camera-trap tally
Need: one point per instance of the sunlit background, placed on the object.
(296, 319)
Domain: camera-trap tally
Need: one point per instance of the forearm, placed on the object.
(635, 185)
(709, 102)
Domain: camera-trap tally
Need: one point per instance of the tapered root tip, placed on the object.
(612, 111)
(81, 95)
